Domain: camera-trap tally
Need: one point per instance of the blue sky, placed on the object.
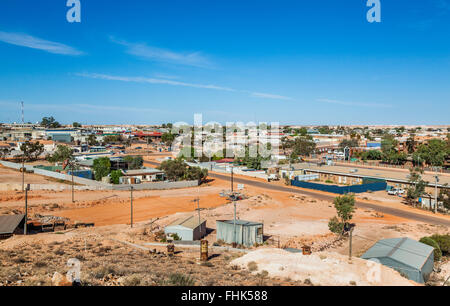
(294, 62)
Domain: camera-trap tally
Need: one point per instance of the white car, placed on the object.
(396, 191)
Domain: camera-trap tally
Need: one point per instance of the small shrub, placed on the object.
(40, 264)
(443, 241)
(432, 243)
(178, 279)
(132, 281)
(252, 266)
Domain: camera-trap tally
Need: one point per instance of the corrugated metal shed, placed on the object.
(188, 229)
(8, 224)
(246, 233)
(411, 258)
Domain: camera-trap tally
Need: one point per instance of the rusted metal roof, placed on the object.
(8, 224)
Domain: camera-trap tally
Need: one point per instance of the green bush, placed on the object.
(335, 226)
(443, 241)
(435, 245)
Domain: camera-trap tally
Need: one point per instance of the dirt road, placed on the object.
(325, 197)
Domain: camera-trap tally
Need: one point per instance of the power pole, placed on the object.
(234, 223)
(232, 179)
(23, 173)
(199, 210)
(73, 194)
(350, 245)
(436, 192)
(26, 210)
(131, 198)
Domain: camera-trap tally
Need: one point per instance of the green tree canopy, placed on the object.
(345, 207)
(61, 154)
(434, 153)
(50, 122)
(31, 150)
(102, 167)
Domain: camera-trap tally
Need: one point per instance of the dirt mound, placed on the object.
(325, 269)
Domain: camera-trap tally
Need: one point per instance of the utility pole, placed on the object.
(350, 245)
(199, 210)
(436, 192)
(26, 210)
(23, 173)
(232, 179)
(73, 193)
(234, 226)
(131, 198)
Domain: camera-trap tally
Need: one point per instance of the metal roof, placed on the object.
(191, 222)
(240, 222)
(145, 171)
(8, 224)
(407, 251)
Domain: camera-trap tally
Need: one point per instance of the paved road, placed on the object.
(387, 210)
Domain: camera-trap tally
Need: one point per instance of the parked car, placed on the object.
(396, 192)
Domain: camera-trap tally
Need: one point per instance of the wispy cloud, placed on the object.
(270, 96)
(151, 81)
(347, 103)
(82, 108)
(28, 41)
(178, 83)
(142, 50)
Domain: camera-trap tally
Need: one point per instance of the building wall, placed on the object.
(245, 235)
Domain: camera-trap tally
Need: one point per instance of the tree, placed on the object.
(351, 143)
(76, 125)
(444, 197)
(115, 176)
(112, 139)
(168, 138)
(411, 144)
(417, 186)
(345, 207)
(61, 154)
(4, 152)
(134, 162)
(31, 150)
(372, 155)
(434, 153)
(303, 146)
(50, 122)
(178, 170)
(92, 140)
(196, 173)
(174, 169)
(102, 167)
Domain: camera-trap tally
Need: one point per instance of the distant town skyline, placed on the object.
(293, 62)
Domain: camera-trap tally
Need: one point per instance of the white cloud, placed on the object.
(163, 55)
(25, 40)
(177, 83)
(151, 81)
(270, 96)
(346, 103)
